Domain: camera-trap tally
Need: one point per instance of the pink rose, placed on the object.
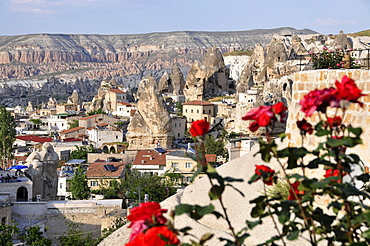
(136, 228)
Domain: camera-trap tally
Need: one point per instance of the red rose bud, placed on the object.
(334, 122)
(266, 173)
(333, 173)
(294, 192)
(305, 127)
(199, 128)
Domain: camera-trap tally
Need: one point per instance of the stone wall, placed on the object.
(306, 81)
(54, 215)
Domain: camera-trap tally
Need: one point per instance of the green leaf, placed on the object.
(252, 224)
(183, 209)
(284, 214)
(282, 136)
(345, 141)
(230, 179)
(322, 132)
(205, 238)
(366, 234)
(216, 192)
(293, 235)
(217, 214)
(357, 131)
(185, 230)
(365, 177)
(266, 149)
(258, 199)
(204, 210)
(253, 178)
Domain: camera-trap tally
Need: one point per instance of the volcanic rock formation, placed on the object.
(208, 78)
(151, 123)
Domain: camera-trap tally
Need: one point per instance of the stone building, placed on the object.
(197, 110)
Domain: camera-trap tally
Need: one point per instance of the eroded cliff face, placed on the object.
(208, 78)
(118, 55)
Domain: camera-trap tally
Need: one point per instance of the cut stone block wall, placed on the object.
(306, 81)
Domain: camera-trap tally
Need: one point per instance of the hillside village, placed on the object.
(146, 130)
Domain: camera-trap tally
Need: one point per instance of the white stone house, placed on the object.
(104, 133)
(124, 109)
(240, 146)
(58, 122)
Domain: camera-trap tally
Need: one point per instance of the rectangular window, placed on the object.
(188, 165)
(175, 165)
(61, 186)
(94, 183)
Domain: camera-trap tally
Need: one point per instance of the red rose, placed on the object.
(155, 236)
(266, 173)
(305, 127)
(263, 115)
(333, 173)
(319, 100)
(348, 90)
(148, 211)
(334, 122)
(294, 192)
(279, 108)
(199, 128)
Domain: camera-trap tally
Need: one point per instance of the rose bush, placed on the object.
(346, 218)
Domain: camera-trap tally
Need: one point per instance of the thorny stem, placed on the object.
(272, 217)
(203, 163)
(347, 208)
(226, 216)
(305, 219)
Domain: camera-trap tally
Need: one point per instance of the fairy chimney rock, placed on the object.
(177, 80)
(342, 42)
(151, 123)
(207, 78)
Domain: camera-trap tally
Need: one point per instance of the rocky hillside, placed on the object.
(95, 56)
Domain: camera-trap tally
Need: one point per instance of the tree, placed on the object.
(37, 123)
(73, 124)
(81, 152)
(178, 107)
(79, 188)
(215, 146)
(99, 111)
(6, 234)
(33, 237)
(7, 135)
(136, 183)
